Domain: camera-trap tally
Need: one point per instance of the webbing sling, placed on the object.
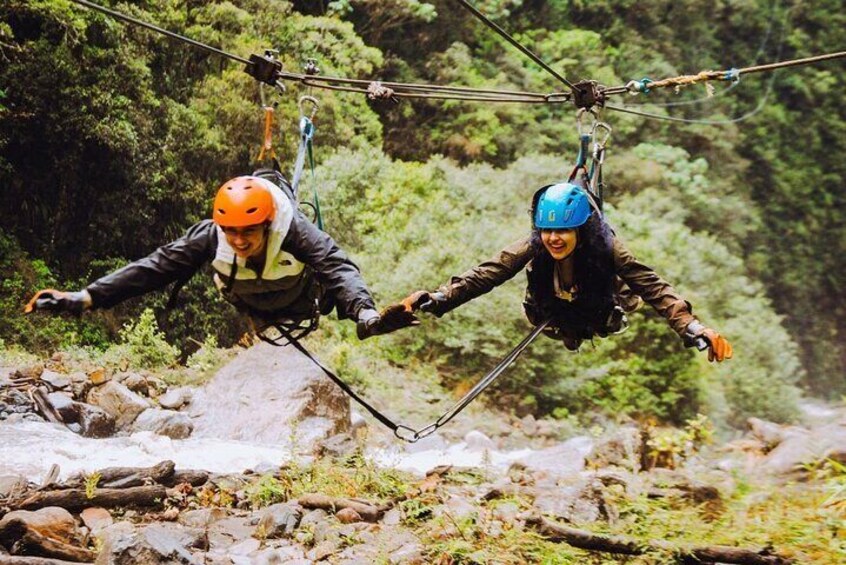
(402, 431)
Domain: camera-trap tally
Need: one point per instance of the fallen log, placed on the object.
(126, 477)
(34, 543)
(26, 560)
(367, 512)
(590, 541)
(76, 499)
(190, 476)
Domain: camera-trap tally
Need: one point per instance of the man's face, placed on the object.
(247, 241)
(559, 243)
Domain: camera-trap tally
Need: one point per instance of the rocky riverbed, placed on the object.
(267, 463)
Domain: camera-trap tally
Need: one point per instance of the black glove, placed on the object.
(391, 319)
(58, 301)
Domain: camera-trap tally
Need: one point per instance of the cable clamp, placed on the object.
(377, 91)
(264, 68)
(732, 75)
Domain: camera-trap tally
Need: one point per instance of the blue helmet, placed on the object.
(561, 206)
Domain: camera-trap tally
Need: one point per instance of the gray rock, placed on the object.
(201, 518)
(136, 383)
(279, 521)
(57, 381)
(155, 544)
(622, 447)
(175, 398)
(175, 425)
(771, 434)
(120, 403)
(566, 458)
(336, 446)
(477, 441)
(392, 517)
(582, 501)
(92, 421)
(313, 518)
(295, 397)
(228, 531)
(506, 512)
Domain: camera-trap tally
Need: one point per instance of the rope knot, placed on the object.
(377, 91)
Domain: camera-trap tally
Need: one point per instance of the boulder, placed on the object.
(772, 434)
(57, 381)
(51, 522)
(175, 398)
(136, 383)
(339, 445)
(279, 520)
(803, 448)
(270, 395)
(580, 501)
(477, 441)
(98, 376)
(622, 447)
(175, 425)
(154, 544)
(96, 519)
(566, 458)
(119, 402)
(93, 421)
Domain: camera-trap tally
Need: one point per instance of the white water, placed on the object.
(31, 448)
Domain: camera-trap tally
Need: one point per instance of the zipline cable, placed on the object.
(331, 83)
(712, 97)
(155, 28)
(523, 49)
(761, 103)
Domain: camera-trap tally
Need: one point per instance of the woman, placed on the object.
(580, 276)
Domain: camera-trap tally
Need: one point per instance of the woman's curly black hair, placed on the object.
(593, 270)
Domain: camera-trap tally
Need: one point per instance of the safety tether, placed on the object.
(597, 136)
(306, 150)
(401, 431)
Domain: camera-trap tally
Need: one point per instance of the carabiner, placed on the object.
(580, 114)
(411, 437)
(600, 141)
(427, 431)
(314, 106)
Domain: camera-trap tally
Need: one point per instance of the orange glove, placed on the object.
(719, 347)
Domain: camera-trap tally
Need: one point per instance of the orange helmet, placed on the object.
(243, 201)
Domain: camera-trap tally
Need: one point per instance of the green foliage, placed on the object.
(266, 491)
(142, 345)
(20, 277)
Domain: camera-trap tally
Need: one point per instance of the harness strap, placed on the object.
(402, 431)
(336, 379)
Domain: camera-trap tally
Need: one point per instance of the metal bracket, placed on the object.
(587, 94)
(311, 68)
(265, 68)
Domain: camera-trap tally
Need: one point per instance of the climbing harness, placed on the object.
(402, 431)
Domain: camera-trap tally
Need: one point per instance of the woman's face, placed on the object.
(247, 241)
(559, 243)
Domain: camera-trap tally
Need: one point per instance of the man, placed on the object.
(269, 260)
